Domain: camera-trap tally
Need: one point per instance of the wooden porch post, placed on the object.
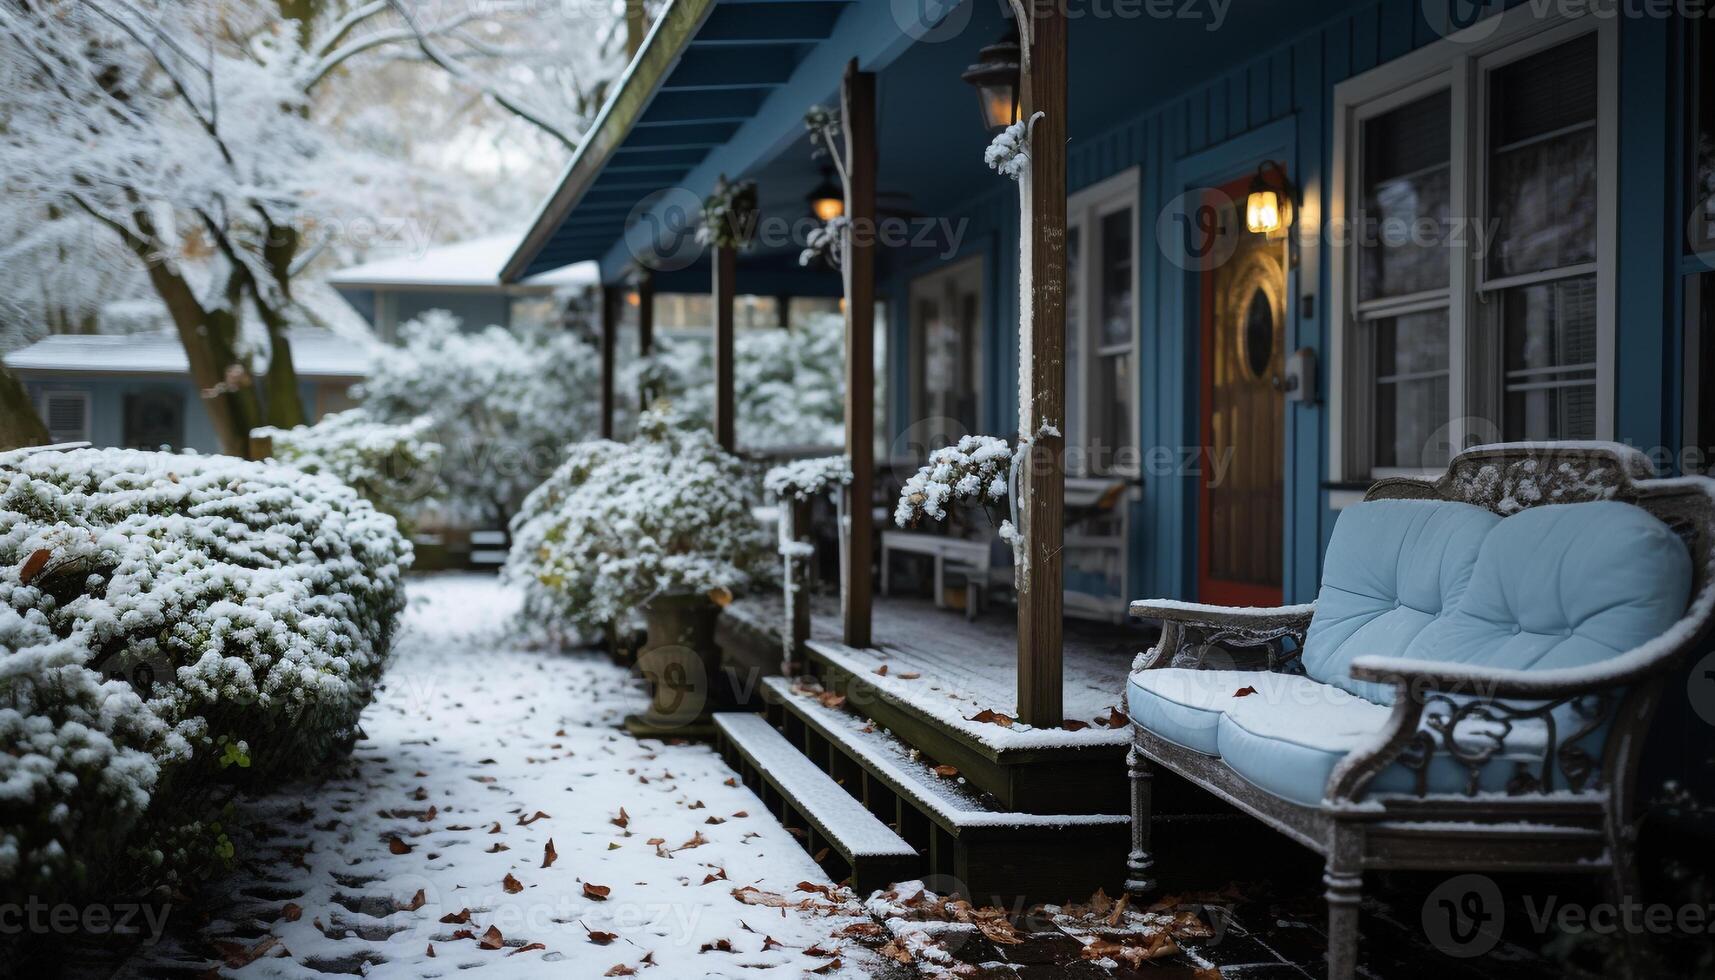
(611, 299)
(645, 328)
(857, 98)
(1042, 376)
(725, 262)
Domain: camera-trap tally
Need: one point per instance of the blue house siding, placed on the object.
(107, 405)
(1289, 90)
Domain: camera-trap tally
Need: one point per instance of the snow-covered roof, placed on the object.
(315, 354)
(471, 264)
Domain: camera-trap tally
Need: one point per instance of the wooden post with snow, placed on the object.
(725, 261)
(857, 104)
(611, 298)
(1041, 484)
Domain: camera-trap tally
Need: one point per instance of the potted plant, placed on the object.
(660, 526)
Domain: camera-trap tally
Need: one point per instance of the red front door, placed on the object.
(1241, 497)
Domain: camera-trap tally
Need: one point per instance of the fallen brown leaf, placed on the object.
(946, 771)
(621, 821)
(1244, 692)
(417, 901)
(597, 893)
(548, 853)
(512, 885)
(620, 970)
(33, 565)
(526, 948)
(492, 939)
(458, 918)
(398, 846)
(291, 912)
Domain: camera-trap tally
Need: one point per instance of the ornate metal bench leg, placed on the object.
(1140, 863)
(1344, 878)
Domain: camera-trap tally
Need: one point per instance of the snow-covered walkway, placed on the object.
(495, 820)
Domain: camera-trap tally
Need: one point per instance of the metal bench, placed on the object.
(1471, 689)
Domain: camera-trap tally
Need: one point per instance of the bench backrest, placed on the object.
(1520, 557)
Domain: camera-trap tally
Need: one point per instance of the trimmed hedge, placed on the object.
(172, 628)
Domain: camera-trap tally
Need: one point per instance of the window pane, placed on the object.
(1116, 278)
(1111, 384)
(1403, 226)
(1411, 389)
(1542, 160)
(1548, 340)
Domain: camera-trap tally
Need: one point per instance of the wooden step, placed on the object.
(805, 797)
(973, 844)
(1083, 775)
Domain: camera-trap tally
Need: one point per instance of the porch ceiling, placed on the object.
(720, 86)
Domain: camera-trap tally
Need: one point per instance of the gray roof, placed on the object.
(315, 354)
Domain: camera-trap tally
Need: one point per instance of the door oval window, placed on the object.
(1259, 333)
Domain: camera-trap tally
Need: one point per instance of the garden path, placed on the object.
(494, 821)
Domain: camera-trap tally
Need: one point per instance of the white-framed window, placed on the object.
(1472, 233)
(946, 320)
(65, 412)
(1101, 327)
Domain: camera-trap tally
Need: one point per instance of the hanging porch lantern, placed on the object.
(1268, 206)
(996, 77)
(827, 201)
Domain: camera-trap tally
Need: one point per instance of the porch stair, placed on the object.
(963, 840)
(1073, 778)
(807, 799)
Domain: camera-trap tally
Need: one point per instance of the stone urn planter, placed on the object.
(681, 664)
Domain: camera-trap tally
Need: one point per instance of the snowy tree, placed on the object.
(789, 385)
(217, 149)
(503, 404)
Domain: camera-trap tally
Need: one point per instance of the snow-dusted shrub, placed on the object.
(975, 470)
(503, 403)
(618, 524)
(393, 466)
(788, 385)
(802, 479)
(167, 621)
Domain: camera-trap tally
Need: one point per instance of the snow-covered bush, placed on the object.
(788, 385)
(503, 402)
(167, 622)
(618, 524)
(802, 479)
(393, 466)
(975, 470)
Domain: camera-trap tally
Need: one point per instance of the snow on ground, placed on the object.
(481, 761)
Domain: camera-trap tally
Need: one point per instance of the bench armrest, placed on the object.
(1466, 714)
(1243, 626)
(1206, 616)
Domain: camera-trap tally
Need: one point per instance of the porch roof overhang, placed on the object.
(719, 87)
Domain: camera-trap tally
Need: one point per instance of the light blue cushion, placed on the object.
(1290, 751)
(1564, 585)
(1393, 567)
(1184, 705)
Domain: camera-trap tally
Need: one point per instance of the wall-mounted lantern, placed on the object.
(827, 201)
(996, 77)
(1268, 206)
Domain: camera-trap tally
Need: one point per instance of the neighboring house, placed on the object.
(134, 390)
(1367, 112)
(462, 278)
